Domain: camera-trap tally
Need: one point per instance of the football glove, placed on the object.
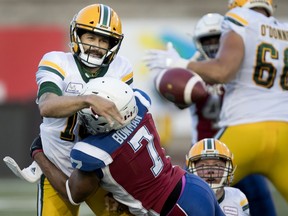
(36, 146)
(31, 174)
(164, 59)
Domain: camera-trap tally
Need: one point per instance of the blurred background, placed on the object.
(30, 28)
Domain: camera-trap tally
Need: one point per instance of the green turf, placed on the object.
(18, 197)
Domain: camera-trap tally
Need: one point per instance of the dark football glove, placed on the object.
(36, 146)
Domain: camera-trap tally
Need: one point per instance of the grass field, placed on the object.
(19, 198)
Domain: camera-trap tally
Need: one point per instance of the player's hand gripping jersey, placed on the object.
(60, 73)
(266, 43)
(136, 148)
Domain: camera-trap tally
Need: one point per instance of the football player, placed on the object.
(252, 61)
(212, 161)
(95, 39)
(128, 161)
(205, 113)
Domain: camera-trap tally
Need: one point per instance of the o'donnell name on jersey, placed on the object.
(273, 32)
(122, 134)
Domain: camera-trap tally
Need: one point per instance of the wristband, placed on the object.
(35, 152)
(69, 194)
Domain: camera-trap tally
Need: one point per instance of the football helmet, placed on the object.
(211, 149)
(266, 4)
(207, 33)
(112, 89)
(99, 19)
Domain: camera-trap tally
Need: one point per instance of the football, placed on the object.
(181, 86)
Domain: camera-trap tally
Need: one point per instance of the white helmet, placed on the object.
(112, 89)
(208, 26)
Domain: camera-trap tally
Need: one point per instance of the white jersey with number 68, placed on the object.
(259, 92)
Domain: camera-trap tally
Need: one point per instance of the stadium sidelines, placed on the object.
(18, 197)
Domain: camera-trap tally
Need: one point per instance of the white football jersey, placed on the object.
(259, 92)
(234, 202)
(58, 68)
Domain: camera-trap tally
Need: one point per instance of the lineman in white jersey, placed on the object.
(212, 161)
(205, 115)
(265, 40)
(95, 36)
(252, 60)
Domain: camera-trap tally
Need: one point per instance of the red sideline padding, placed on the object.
(21, 50)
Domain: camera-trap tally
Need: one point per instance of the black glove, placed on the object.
(36, 146)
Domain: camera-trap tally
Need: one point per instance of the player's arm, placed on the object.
(82, 184)
(219, 70)
(55, 176)
(227, 62)
(55, 106)
(79, 186)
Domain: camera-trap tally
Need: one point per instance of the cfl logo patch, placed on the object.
(74, 88)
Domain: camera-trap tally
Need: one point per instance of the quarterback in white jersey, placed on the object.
(95, 38)
(212, 161)
(63, 70)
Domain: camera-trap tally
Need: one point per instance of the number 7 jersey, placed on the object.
(131, 161)
(259, 92)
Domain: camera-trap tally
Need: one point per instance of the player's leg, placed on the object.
(278, 171)
(260, 199)
(96, 201)
(49, 202)
(244, 141)
(196, 199)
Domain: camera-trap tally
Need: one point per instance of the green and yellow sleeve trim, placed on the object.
(52, 67)
(128, 78)
(234, 18)
(49, 87)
